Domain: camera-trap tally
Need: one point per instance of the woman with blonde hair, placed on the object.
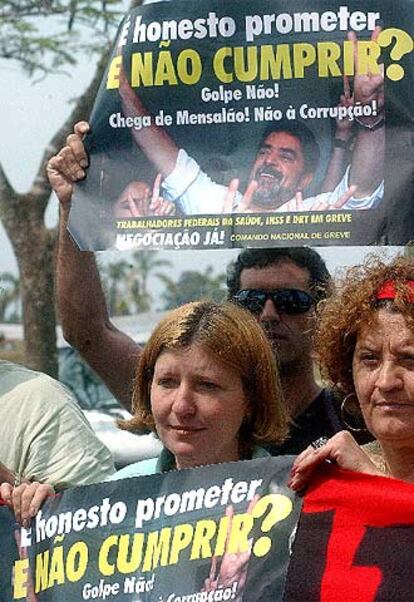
(207, 383)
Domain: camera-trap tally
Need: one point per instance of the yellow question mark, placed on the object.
(280, 507)
(403, 45)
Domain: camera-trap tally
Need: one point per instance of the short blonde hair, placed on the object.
(232, 336)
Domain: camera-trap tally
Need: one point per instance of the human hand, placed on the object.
(344, 126)
(368, 86)
(69, 165)
(233, 566)
(160, 206)
(341, 449)
(230, 196)
(245, 205)
(7, 475)
(133, 201)
(26, 499)
(299, 206)
(324, 205)
(136, 200)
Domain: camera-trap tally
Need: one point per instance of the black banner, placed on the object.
(214, 533)
(222, 124)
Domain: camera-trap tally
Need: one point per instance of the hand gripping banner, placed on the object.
(202, 535)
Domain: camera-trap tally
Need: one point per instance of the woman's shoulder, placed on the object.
(138, 469)
(164, 463)
(260, 452)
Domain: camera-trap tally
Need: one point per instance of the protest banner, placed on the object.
(202, 535)
(230, 124)
(354, 541)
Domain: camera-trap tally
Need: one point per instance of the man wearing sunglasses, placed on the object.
(282, 287)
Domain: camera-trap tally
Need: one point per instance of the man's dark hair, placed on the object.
(310, 148)
(304, 257)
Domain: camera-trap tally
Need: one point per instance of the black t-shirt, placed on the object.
(321, 419)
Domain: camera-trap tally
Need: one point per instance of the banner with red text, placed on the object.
(253, 123)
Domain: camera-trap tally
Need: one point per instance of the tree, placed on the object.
(126, 284)
(193, 285)
(23, 215)
(115, 283)
(43, 46)
(9, 294)
(145, 264)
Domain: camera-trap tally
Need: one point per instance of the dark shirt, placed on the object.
(321, 419)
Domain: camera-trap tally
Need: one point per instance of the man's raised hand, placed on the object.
(368, 86)
(160, 206)
(245, 205)
(70, 164)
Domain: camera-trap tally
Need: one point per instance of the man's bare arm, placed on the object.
(154, 141)
(342, 138)
(367, 166)
(85, 320)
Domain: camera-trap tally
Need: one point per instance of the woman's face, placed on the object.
(383, 372)
(133, 201)
(198, 406)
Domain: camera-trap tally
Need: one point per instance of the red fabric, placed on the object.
(388, 290)
(361, 504)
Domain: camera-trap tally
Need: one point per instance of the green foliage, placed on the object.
(127, 291)
(193, 285)
(47, 35)
(115, 278)
(146, 262)
(126, 285)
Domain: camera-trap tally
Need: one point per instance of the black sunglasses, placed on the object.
(286, 300)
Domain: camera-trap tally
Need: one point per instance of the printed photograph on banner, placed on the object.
(215, 533)
(231, 125)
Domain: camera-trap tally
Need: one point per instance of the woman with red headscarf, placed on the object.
(365, 345)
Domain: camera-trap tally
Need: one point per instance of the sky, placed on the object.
(33, 111)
